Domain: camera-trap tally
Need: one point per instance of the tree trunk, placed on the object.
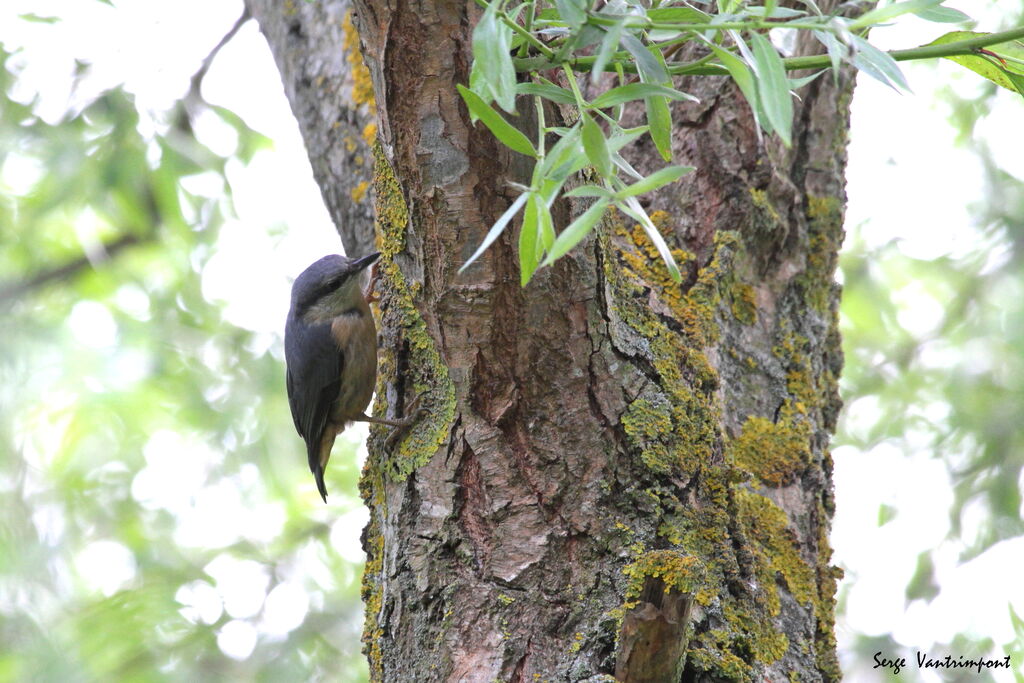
(619, 477)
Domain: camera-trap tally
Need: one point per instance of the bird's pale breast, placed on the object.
(357, 337)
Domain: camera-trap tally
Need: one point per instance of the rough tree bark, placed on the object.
(619, 476)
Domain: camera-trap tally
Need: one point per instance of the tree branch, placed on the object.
(970, 46)
(13, 291)
(196, 81)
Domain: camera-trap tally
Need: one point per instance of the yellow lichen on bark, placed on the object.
(362, 88)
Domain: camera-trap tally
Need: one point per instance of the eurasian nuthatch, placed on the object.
(330, 346)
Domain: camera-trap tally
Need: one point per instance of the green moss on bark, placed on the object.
(426, 375)
(736, 550)
(426, 369)
(825, 236)
(775, 453)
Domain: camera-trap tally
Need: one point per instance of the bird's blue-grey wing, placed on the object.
(314, 380)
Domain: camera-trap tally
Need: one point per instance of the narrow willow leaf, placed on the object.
(878, 64)
(797, 83)
(529, 239)
(814, 7)
(625, 136)
(678, 15)
(999, 74)
(478, 84)
(657, 179)
(651, 70)
(659, 117)
(492, 50)
(836, 50)
(742, 75)
(502, 129)
(609, 44)
(548, 92)
(596, 146)
(572, 12)
(631, 207)
(638, 91)
(882, 14)
(496, 229)
(1017, 79)
(576, 231)
(625, 166)
(943, 15)
(564, 159)
(587, 191)
(773, 87)
(547, 228)
(567, 147)
(781, 12)
(548, 16)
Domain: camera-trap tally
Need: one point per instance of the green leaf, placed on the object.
(38, 19)
(529, 242)
(883, 14)
(678, 15)
(650, 68)
(943, 15)
(657, 179)
(631, 207)
(559, 163)
(497, 229)
(878, 64)
(741, 74)
(609, 44)
(478, 84)
(836, 49)
(492, 45)
(797, 83)
(573, 12)
(1017, 80)
(576, 231)
(596, 146)
(502, 129)
(548, 92)
(638, 91)
(659, 117)
(773, 87)
(588, 191)
(886, 513)
(619, 161)
(922, 584)
(547, 228)
(776, 12)
(563, 151)
(987, 67)
(624, 137)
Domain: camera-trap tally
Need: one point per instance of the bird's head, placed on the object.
(329, 287)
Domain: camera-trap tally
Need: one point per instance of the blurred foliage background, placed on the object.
(158, 522)
(153, 524)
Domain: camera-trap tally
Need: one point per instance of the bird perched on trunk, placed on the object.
(330, 347)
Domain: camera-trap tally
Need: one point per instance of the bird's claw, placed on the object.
(412, 413)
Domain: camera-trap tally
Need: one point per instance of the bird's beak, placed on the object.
(365, 261)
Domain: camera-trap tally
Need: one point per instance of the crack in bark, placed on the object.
(471, 510)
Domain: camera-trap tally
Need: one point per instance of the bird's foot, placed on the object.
(413, 413)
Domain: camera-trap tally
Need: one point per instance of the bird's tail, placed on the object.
(317, 463)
